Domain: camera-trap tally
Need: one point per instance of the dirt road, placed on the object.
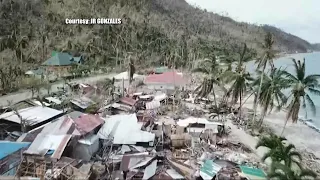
(25, 94)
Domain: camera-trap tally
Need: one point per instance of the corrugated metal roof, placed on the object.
(33, 115)
(45, 142)
(89, 140)
(165, 78)
(128, 101)
(150, 170)
(63, 125)
(160, 97)
(60, 59)
(152, 105)
(132, 161)
(87, 122)
(209, 169)
(54, 100)
(7, 147)
(160, 70)
(193, 120)
(253, 173)
(82, 102)
(119, 126)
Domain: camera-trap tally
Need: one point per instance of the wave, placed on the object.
(309, 123)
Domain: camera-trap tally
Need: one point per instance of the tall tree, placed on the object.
(239, 79)
(267, 58)
(210, 68)
(271, 93)
(301, 87)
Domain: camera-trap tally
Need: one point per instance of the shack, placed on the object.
(10, 156)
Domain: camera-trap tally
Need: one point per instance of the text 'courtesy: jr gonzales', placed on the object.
(110, 21)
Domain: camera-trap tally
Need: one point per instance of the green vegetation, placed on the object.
(285, 160)
(154, 32)
(269, 89)
(301, 84)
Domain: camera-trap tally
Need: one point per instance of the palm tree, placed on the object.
(301, 86)
(282, 172)
(240, 79)
(211, 69)
(279, 152)
(271, 93)
(268, 57)
(273, 142)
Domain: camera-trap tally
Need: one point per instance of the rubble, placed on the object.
(139, 135)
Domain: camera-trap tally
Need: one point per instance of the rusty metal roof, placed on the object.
(78, 125)
(63, 125)
(128, 101)
(87, 122)
(48, 144)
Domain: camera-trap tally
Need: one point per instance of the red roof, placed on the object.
(165, 78)
(128, 101)
(87, 122)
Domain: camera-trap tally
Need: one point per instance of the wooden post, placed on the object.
(122, 87)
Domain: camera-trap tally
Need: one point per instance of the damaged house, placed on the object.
(31, 117)
(118, 127)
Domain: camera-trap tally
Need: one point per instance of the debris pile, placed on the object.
(131, 135)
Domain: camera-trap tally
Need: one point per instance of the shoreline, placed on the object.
(297, 134)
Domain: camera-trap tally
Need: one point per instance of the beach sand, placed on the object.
(306, 139)
(299, 134)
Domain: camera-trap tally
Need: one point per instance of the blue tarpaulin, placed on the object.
(7, 147)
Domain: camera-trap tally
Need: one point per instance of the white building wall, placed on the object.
(160, 87)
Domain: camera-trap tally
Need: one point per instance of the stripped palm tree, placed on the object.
(271, 94)
(267, 58)
(301, 87)
(210, 68)
(282, 172)
(240, 80)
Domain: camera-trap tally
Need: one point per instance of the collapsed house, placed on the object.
(82, 103)
(140, 139)
(28, 118)
(118, 127)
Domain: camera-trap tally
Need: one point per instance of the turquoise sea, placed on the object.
(312, 67)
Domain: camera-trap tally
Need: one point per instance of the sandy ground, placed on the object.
(25, 94)
(299, 134)
(241, 136)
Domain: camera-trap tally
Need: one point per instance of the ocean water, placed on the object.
(312, 67)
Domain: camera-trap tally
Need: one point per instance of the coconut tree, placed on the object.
(239, 79)
(262, 63)
(302, 86)
(271, 94)
(273, 142)
(210, 68)
(282, 172)
(279, 152)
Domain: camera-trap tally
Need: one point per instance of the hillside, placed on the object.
(153, 32)
(316, 46)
